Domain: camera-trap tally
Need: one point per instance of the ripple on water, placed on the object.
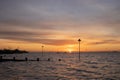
(83, 71)
(90, 62)
(42, 78)
(91, 67)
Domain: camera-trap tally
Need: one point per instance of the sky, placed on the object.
(58, 24)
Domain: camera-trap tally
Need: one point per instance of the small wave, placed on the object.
(84, 71)
(109, 79)
(51, 68)
(91, 62)
(94, 67)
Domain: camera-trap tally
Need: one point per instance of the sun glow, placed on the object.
(70, 50)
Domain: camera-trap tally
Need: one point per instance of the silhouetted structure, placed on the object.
(14, 58)
(26, 59)
(48, 59)
(37, 59)
(59, 59)
(42, 50)
(1, 58)
(21, 60)
(79, 48)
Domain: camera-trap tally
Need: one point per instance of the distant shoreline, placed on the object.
(15, 51)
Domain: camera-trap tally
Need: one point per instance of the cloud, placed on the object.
(55, 42)
(91, 18)
(105, 42)
(35, 37)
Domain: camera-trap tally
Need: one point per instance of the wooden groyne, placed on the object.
(22, 60)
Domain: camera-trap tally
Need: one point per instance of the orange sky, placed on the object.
(64, 46)
(58, 24)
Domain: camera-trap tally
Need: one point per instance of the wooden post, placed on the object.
(37, 59)
(26, 58)
(14, 58)
(59, 59)
(48, 59)
(1, 57)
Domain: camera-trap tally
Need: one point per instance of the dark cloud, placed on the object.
(56, 42)
(86, 17)
(24, 33)
(16, 33)
(105, 42)
(27, 36)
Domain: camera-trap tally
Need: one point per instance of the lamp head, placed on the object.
(79, 40)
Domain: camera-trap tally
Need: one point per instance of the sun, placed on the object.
(70, 50)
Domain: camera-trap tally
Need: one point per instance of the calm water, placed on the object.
(93, 66)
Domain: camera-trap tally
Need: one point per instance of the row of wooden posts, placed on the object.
(26, 59)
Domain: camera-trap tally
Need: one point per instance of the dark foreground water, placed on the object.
(93, 66)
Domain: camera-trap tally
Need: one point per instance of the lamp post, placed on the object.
(79, 48)
(42, 50)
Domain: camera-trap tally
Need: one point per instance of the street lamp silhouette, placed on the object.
(42, 50)
(79, 48)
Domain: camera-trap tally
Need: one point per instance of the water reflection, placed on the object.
(92, 66)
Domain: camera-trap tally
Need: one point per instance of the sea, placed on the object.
(61, 66)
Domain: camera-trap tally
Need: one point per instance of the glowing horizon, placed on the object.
(58, 24)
